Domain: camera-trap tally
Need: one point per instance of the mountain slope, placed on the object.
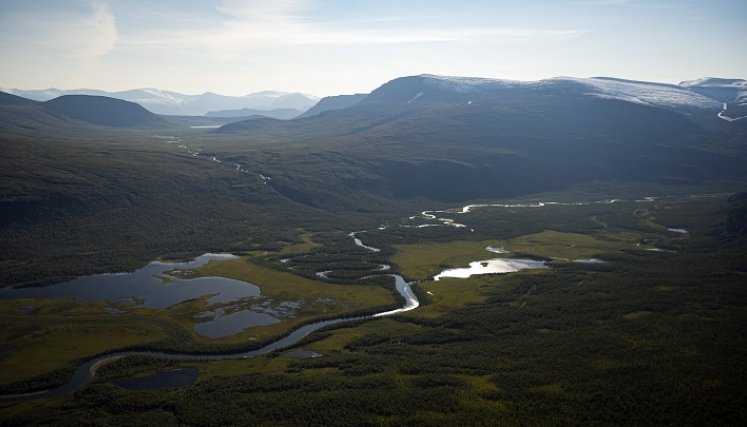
(334, 103)
(23, 116)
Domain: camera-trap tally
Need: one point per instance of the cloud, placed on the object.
(632, 4)
(267, 10)
(603, 2)
(494, 34)
(94, 35)
(77, 30)
(260, 24)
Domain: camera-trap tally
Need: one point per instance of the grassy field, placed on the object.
(553, 244)
(423, 261)
(59, 331)
(306, 244)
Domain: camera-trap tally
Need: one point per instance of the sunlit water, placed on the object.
(491, 266)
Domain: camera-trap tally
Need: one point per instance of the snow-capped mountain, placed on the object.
(174, 103)
(701, 100)
(660, 95)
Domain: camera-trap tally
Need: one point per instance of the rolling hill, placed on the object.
(72, 114)
(104, 111)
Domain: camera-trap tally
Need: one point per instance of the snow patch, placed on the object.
(653, 94)
(415, 97)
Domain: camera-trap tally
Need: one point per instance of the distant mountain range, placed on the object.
(173, 103)
(277, 113)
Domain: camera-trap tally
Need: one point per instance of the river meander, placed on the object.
(85, 372)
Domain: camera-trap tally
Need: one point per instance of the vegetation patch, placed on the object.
(424, 260)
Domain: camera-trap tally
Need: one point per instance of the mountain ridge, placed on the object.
(174, 103)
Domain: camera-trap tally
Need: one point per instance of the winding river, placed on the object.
(85, 372)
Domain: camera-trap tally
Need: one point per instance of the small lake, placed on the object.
(148, 286)
(490, 266)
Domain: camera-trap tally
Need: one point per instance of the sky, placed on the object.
(330, 47)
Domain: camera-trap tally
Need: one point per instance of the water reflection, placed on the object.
(488, 266)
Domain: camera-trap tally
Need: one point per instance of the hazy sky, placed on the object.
(327, 47)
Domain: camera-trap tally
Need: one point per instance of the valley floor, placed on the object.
(650, 332)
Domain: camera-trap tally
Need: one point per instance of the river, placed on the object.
(85, 372)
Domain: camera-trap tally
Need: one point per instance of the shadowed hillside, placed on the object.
(101, 110)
